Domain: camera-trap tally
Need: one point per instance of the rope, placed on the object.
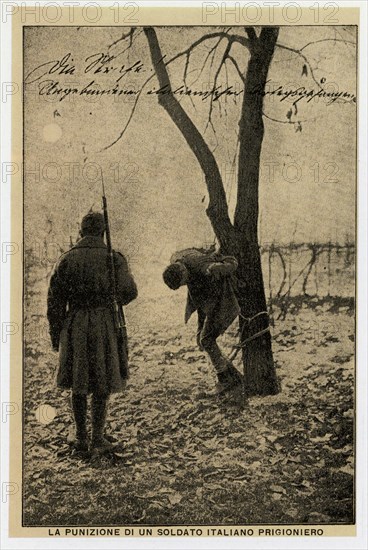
(237, 347)
(253, 337)
(250, 319)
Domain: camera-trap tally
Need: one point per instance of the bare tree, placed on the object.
(239, 237)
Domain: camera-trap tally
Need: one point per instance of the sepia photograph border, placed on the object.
(157, 17)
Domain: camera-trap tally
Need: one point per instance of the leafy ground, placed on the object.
(189, 458)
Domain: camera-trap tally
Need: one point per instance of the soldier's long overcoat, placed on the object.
(81, 318)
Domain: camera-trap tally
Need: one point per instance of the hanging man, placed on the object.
(82, 327)
(210, 278)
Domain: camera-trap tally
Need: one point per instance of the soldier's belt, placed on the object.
(98, 303)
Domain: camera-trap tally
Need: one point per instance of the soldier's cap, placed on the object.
(93, 224)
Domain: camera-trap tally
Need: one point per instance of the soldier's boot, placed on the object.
(228, 376)
(99, 413)
(79, 404)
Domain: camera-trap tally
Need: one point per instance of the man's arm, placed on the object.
(212, 264)
(126, 289)
(56, 305)
(222, 267)
(186, 254)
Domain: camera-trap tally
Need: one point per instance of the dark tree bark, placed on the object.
(240, 239)
(259, 369)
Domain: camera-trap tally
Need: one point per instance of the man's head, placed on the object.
(93, 224)
(175, 275)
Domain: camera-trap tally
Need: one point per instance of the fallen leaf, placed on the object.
(316, 517)
(323, 439)
(255, 465)
(278, 489)
(346, 470)
(174, 498)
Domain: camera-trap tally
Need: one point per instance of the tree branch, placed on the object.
(327, 40)
(217, 74)
(234, 38)
(235, 63)
(305, 59)
(123, 37)
(251, 33)
(211, 51)
(130, 116)
(217, 210)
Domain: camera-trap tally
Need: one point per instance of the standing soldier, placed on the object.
(209, 277)
(81, 320)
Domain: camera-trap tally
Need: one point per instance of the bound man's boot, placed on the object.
(79, 404)
(228, 377)
(99, 413)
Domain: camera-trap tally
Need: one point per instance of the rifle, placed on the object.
(118, 313)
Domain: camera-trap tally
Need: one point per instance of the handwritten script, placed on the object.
(49, 77)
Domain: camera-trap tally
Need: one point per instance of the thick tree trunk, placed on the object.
(259, 370)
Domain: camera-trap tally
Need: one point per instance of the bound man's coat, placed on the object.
(81, 317)
(213, 298)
